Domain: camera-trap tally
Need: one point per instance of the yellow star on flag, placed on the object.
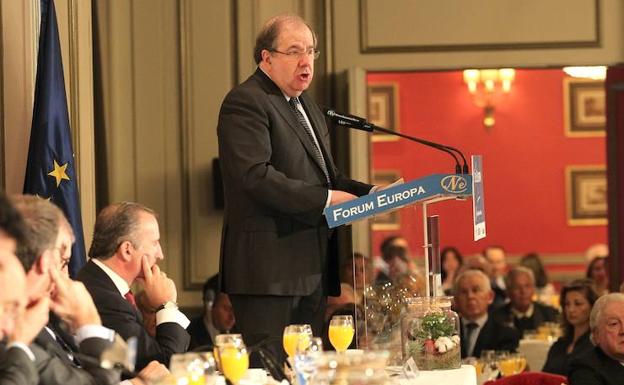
(59, 173)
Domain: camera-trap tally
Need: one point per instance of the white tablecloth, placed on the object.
(535, 352)
(466, 375)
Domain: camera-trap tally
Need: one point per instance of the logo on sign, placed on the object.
(454, 184)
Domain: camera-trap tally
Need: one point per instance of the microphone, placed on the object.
(352, 121)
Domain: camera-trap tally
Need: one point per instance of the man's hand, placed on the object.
(72, 302)
(338, 196)
(30, 321)
(153, 372)
(158, 288)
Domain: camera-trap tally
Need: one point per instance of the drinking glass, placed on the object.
(295, 335)
(306, 358)
(224, 339)
(234, 361)
(341, 332)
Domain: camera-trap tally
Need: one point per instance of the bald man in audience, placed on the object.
(479, 331)
(522, 312)
(604, 365)
(126, 249)
(497, 257)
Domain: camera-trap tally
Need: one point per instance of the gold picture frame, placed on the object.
(389, 220)
(586, 195)
(383, 109)
(584, 107)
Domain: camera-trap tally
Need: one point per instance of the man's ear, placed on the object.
(266, 56)
(490, 297)
(125, 250)
(44, 263)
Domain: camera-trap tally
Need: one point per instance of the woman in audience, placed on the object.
(451, 260)
(597, 270)
(577, 300)
(544, 289)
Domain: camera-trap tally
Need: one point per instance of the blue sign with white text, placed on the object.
(432, 186)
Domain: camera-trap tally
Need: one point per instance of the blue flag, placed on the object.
(50, 171)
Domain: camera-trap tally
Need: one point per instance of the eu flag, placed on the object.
(50, 172)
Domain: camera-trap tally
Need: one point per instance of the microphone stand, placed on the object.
(358, 123)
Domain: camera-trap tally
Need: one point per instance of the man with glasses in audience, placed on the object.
(604, 365)
(278, 263)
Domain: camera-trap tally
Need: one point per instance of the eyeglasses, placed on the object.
(64, 256)
(296, 54)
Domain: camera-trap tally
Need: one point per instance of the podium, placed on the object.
(380, 305)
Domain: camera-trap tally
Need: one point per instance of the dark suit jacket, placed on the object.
(595, 368)
(559, 360)
(493, 336)
(117, 314)
(275, 238)
(199, 334)
(16, 368)
(541, 313)
(55, 367)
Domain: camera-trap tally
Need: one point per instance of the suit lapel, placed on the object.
(277, 98)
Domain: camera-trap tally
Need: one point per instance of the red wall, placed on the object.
(524, 160)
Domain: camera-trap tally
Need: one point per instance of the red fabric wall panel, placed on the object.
(524, 158)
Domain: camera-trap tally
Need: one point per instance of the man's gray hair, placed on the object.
(268, 35)
(515, 272)
(485, 280)
(596, 312)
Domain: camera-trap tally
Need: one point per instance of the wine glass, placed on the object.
(341, 332)
(294, 335)
(307, 354)
(224, 339)
(234, 361)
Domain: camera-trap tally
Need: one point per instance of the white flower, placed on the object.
(455, 339)
(443, 344)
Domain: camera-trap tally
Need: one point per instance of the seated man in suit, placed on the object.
(62, 358)
(43, 254)
(19, 328)
(604, 365)
(126, 249)
(522, 312)
(217, 317)
(497, 258)
(479, 331)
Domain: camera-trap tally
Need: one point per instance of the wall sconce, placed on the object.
(487, 87)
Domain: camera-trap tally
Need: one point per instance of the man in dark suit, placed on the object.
(44, 253)
(479, 331)
(126, 249)
(604, 365)
(278, 173)
(17, 363)
(522, 312)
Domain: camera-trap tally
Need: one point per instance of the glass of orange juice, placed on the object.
(234, 361)
(224, 339)
(341, 332)
(296, 336)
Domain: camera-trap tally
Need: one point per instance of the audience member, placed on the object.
(577, 300)
(597, 270)
(217, 318)
(451, 261)
(380, 264)
(347, 297)
(19, 328)
(44, 254)
(477, 262)
(126, 249)
(543, 289)
(603, 365)
(522, 312)
(398, 262)
(479, 331)
(497, 258)
(11, 226)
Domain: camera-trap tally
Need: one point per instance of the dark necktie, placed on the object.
(65, 346)
(294, 102)
(130, 298)
(470, 329)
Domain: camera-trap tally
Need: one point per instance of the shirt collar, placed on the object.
(479, 321)
(119, 282)
(526, 314)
